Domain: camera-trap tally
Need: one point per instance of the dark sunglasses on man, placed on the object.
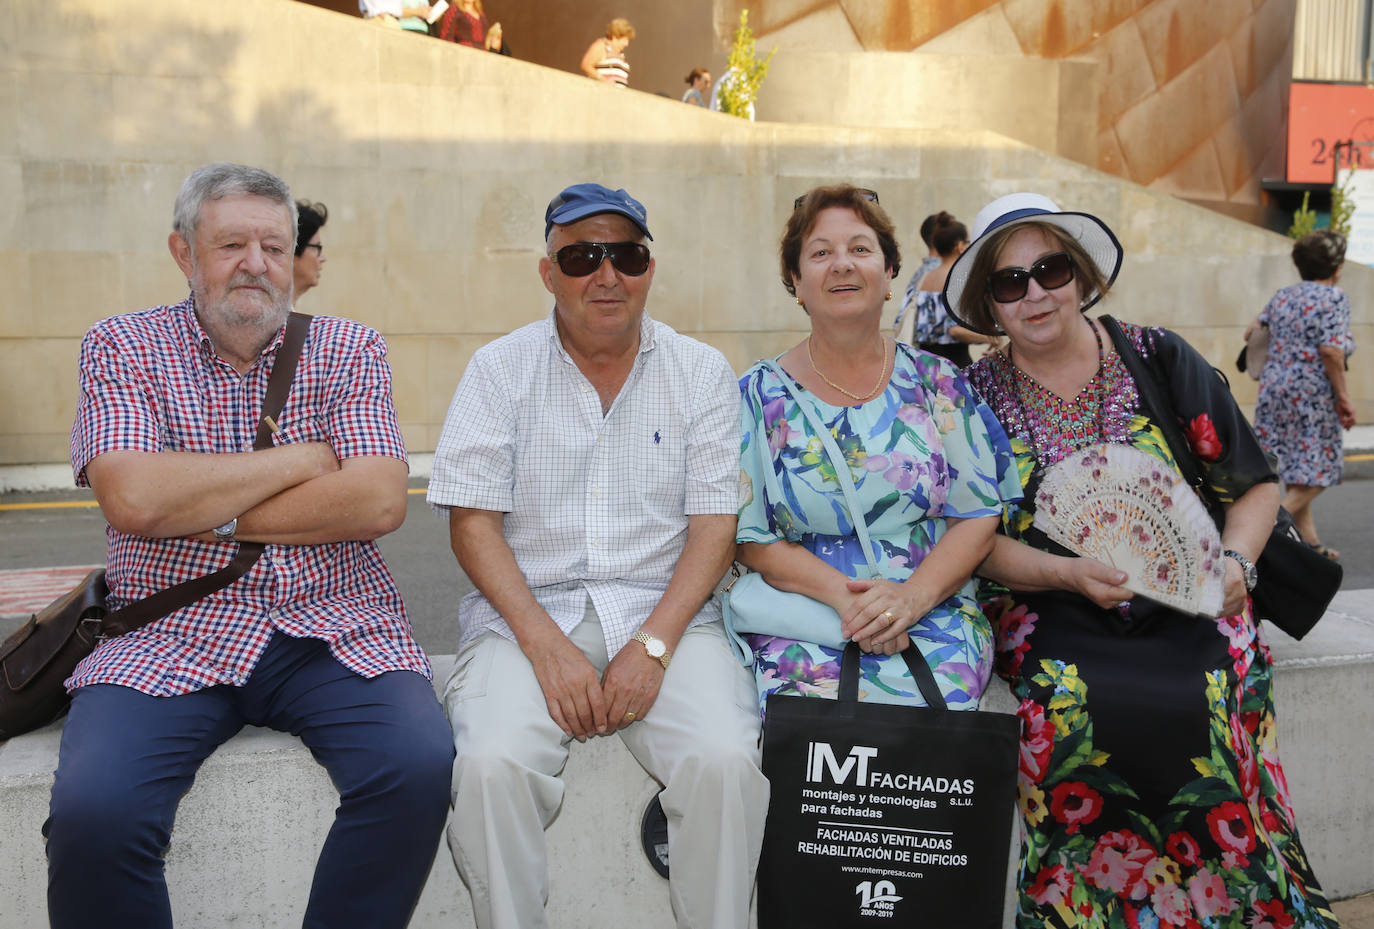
(1007, 285)
(583, 258)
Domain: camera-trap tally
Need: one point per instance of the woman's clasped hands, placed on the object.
(879, 613)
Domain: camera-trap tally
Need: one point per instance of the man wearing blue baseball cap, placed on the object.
(588, 467)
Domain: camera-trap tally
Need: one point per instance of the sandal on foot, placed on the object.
(1328, 552)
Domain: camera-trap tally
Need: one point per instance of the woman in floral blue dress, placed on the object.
(1304, 401)
(1150, 786)
(923, 454)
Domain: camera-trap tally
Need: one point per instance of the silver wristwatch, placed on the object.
(226, 532)
(1247, 567)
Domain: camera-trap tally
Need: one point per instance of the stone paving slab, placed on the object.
(1356, 913)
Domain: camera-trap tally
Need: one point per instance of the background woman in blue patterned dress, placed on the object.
(923, 454)
(1150, 786)
(1304, 401)
(934, 330)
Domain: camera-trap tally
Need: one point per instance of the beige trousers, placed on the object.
(700, 740)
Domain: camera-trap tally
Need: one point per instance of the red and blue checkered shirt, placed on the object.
(152, 382)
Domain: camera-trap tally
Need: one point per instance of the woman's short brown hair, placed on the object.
(845, 196)
(975, 303)
(1319, 255)
(620, 28)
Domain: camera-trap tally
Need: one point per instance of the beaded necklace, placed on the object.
(1037, 434)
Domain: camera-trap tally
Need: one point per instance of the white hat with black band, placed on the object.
(1014, 209)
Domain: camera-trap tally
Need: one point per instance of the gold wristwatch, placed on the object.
(655, 647)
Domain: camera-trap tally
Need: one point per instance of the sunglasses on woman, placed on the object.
(583, 258)
(1007, 285)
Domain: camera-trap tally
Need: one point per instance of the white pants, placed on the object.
(700, 739)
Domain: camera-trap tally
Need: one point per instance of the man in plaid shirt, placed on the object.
(313, 640)
(589, 470)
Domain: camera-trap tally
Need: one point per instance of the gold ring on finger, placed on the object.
(629, 717)
(890, 618)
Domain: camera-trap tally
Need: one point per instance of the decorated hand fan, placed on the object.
(1126, 508)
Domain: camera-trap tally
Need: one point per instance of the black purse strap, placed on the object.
(915, 661)
(1161, 412)
(152, 608)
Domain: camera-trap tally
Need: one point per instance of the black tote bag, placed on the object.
(885, 812)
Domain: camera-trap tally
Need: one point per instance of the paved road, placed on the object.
(36, 534)
(39, 535)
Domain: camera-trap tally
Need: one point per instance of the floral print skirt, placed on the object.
(1150, 786)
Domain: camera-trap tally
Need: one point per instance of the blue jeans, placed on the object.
(127, 759)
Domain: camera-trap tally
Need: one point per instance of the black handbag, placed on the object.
(1296, 582)
(39, 657)
(891, 812)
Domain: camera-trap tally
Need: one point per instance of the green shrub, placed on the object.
(1304, 219)
(739, 86)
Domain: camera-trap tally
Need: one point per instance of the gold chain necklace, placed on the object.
(882, 374)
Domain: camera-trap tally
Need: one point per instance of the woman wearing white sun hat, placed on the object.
(1150, 785)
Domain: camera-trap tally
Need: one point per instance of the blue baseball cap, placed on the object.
(582, 200)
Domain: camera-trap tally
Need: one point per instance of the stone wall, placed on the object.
(436, 163)
(1049, 105)
(670, 38)
(1216, 73)
(248, 831)
(1190, 98)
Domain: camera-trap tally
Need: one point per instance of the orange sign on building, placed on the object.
(1319, 116)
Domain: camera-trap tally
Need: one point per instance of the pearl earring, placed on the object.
(800, 304)
(889, 295)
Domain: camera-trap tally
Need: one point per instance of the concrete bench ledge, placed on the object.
(248, 832)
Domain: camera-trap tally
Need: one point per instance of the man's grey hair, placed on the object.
(223, 179)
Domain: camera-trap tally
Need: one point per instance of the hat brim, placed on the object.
(1089, 231)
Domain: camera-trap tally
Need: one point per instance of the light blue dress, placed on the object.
(925, 449)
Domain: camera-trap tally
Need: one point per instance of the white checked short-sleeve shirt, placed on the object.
(595, 505)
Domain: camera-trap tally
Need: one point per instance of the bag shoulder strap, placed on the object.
(846, 480)
(1158, 408)
(142, 612)
(283, 373)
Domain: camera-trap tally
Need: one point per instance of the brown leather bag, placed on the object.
(38, 658)
(42, 653)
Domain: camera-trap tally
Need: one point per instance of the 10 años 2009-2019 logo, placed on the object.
(877, 898)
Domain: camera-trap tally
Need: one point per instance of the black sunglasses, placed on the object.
(864, 192)
(1007, 285)
(583, 258)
